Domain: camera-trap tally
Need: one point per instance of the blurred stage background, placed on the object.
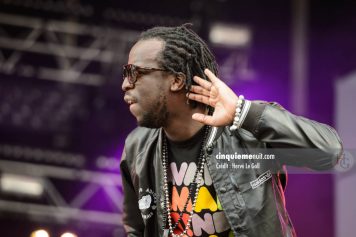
(63, 120)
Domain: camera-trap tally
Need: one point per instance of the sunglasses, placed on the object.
(131, 72)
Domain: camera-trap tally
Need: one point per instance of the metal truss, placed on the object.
(60, 209)
(61, 42)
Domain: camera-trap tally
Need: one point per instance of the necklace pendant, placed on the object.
(165, 232)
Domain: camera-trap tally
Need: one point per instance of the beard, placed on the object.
(157, 116)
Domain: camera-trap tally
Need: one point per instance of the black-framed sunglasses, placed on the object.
(131, 71)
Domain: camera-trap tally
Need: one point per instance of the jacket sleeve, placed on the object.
(132, 219)
(287, 133)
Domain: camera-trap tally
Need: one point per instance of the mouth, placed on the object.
(129, 100)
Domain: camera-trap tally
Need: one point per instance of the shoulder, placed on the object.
(138, 140)
(140, 134)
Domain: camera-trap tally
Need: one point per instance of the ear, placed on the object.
(178, 82)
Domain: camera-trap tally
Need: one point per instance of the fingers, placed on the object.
(200, 98)
(207, 84)
(199, 90)
(211, 76)
(205, 92)
(205, 119)
(203, 83)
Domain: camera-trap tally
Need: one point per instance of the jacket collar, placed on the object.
(214, 134)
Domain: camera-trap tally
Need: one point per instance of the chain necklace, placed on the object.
(196, 182)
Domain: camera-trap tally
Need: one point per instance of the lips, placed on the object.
(129, 100)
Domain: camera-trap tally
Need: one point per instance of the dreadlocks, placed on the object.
(185, 52)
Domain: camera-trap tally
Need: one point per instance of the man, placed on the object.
(174, 180)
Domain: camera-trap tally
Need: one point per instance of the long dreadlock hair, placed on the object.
(184, 52)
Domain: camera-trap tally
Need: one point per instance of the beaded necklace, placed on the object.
(196, 182)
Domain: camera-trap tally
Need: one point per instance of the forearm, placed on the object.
(278, 128)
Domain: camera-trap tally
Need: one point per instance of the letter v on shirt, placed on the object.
(208, 218)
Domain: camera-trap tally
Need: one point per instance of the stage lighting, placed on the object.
(228, 35)
(40, 233)
(21, 184)
(69, 234)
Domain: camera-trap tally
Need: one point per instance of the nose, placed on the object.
(126, 85)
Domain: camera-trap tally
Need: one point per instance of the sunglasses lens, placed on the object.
(124, 72)
(128, 73)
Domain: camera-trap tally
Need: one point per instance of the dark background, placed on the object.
(45, 109)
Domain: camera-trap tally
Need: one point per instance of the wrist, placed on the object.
(241, 110)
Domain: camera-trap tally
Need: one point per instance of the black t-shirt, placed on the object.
(208, 218)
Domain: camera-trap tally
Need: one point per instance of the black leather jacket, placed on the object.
(252, 199)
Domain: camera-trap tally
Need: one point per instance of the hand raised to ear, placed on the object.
(216, 94)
